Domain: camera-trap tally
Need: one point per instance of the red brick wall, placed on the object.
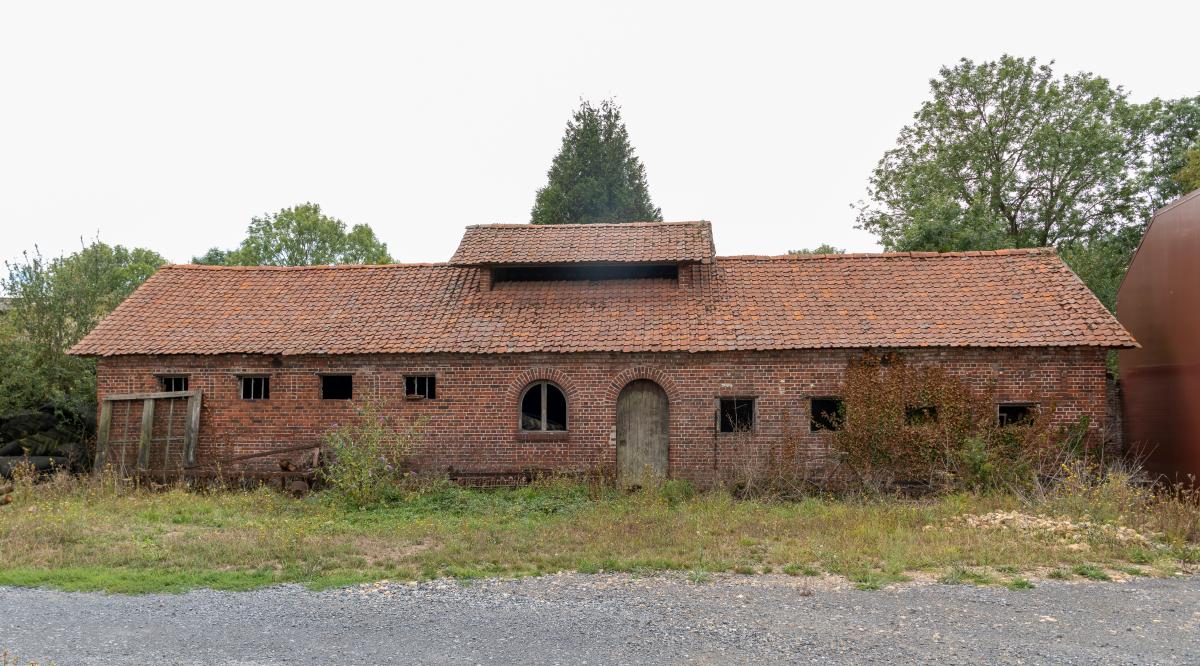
(473, 424)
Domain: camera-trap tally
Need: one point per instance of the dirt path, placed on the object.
(603, 619)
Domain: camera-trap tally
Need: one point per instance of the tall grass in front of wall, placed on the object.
(100, 533)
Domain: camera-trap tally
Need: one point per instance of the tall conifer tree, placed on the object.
(596, 177)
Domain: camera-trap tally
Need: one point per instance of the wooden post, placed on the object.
(191, 429)
(102, 435)
(147, 433)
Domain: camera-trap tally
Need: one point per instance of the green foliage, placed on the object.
(1007, 154)
(1173, 168)
(1100, 261)
(301, 236)
(1091, 572)
(1188, 176)
(676, 491)
(367, 457)
(823, 248)
(960, 575)
(596, 176)
(96, 532)
(55, 303)
(801, 570)
(1018, 584)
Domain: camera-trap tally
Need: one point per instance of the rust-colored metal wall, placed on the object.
(1159, 303)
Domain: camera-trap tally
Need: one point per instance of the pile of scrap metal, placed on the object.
(49, 438)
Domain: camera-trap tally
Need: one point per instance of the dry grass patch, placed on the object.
(89, 535)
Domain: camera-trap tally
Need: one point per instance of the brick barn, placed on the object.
(605, 347)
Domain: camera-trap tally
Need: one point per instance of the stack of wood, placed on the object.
(48, 438)
(304, 470)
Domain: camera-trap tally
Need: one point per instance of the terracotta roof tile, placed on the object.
(1025, 298)
(635, 242)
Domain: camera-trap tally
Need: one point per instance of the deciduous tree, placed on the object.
(301, 236)
(1007, 154)
(55, 303)
(823, 248)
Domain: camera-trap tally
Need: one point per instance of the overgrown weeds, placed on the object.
(904, 424)
(366, 458)
(98, 533)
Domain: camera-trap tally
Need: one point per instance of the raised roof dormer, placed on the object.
(542, 245)
(634, 250)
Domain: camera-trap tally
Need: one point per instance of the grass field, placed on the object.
(89, 535)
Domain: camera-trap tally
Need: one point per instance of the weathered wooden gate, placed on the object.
(642, 432)
(163, 442)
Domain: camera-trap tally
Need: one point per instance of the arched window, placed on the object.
(543, 407)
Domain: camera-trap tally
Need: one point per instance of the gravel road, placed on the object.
(615, 619)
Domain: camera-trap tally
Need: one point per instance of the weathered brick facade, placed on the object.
(472, 425)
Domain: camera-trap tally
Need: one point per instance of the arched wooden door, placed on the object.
(642, 432)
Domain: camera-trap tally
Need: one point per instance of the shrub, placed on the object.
(676, 491)
(366, 457)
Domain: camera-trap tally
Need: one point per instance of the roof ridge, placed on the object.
(511, 225)
(890, 255)
(321, 267)
(734, 257)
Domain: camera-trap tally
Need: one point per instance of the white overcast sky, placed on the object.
(168, 125)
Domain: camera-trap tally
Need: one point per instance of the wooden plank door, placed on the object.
(642, 433)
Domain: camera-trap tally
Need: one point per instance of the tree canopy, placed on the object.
(55, 303)
(823, 248)
(596, 176)
(1007, 154)
(1173, 167)
(301, 236)
(1188, 177)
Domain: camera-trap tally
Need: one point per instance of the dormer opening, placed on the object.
(584, 272)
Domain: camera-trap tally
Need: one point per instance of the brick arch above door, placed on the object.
(622, 379)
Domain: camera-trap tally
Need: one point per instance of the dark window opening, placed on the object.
(736, 415)
(1015, 414)
(543, 407)
(337, 387)
(173, 383)
(826, 414)
(255, 388)
(585, 273)
(420, 386)
(921, 415)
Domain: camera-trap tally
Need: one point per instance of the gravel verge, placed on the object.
(615, 619)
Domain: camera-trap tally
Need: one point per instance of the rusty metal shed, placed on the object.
(1159, 303)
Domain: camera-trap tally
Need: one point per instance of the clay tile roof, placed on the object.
(1025, 298)
(635, 242)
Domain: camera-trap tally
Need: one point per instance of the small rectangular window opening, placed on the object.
(173, 382)
(1015, 414)
(826, 414)
(736, 415)
(337, 387)
(256, 388)
(921, 415)
(420, 386)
